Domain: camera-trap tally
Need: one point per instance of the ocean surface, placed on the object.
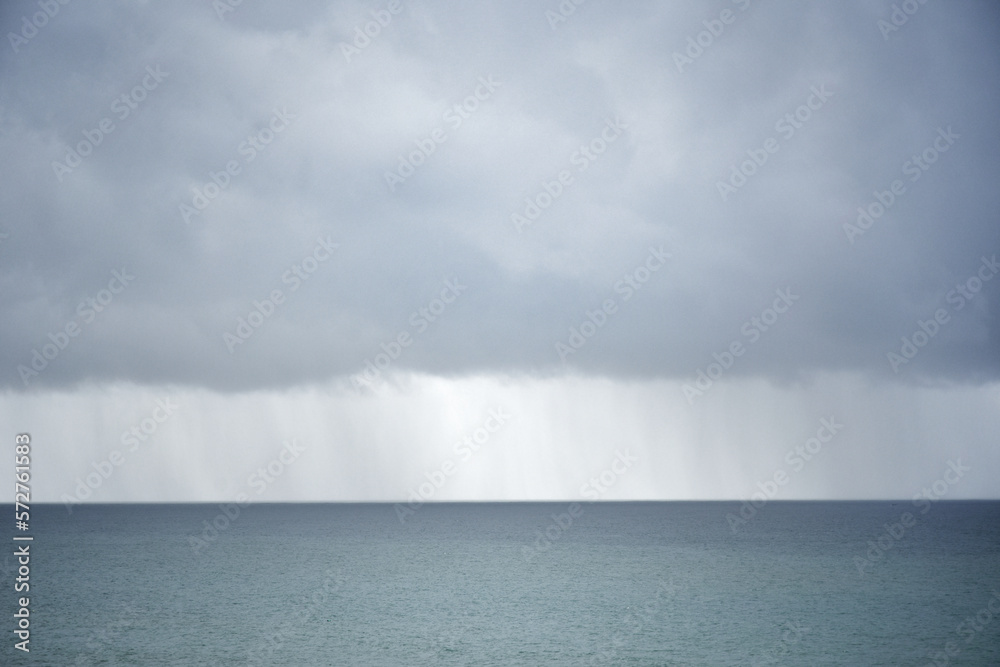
(808, 583)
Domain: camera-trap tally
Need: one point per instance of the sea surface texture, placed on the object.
(512, 584)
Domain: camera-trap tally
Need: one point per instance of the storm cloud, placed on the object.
(238, 199)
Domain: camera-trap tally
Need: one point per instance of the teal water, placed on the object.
(472, 584)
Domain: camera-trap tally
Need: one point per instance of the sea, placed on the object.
(636, 583)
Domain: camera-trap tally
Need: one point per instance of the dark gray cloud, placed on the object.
(229, 82)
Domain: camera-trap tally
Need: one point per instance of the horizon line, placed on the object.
(503, 502)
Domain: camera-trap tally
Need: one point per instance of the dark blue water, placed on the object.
(480, 584)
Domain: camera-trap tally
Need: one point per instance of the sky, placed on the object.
(440, 251)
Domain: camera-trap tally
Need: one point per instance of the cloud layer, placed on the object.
(278, 138)
(685, 231)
